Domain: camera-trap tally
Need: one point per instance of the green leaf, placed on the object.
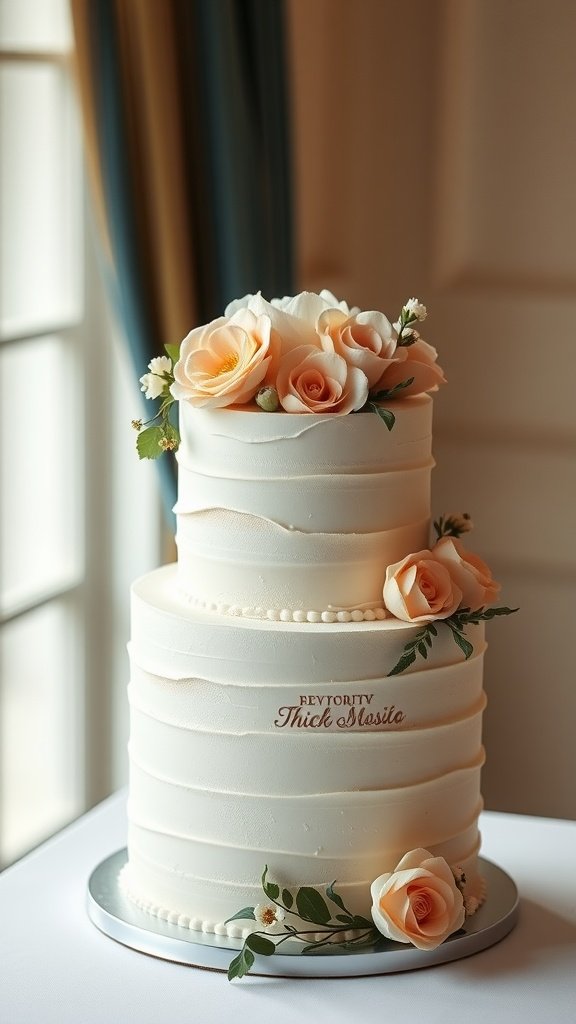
(287, 898)
(403, 662)
(335, 898)
(362, 922)
(312, 906)
(344, 919)
(386, 415)
(173, 351)
(385, 396)
(241, 964)
(260, 944)
(270, 888)
(148, 442)
(422, 649)
(247, 914)
(464, 644)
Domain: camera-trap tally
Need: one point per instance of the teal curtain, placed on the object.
(230, 110)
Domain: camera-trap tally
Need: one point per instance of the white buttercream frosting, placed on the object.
(257, 742)
(299, 512)
(264, 726)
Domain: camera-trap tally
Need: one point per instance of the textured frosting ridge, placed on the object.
(282, 512)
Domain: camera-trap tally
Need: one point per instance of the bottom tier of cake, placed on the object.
(259, 743)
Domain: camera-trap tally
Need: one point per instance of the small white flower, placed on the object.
(152, 385)
(416, 309)
(160, 365)
(267, 914)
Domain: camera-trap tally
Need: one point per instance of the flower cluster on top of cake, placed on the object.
(306, 353)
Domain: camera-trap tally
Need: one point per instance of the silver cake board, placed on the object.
(115, 915)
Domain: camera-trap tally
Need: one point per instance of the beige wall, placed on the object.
(436, 156)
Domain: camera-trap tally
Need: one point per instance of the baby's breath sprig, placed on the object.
(411, 312)
(158, 434)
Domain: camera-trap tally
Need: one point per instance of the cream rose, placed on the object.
(470, 574)
(420, 589)
(293, 320)
(226, 361)
(317, 380)
(418, 361)
(365, 340)
(418, 902)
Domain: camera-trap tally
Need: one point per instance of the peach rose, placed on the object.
(365, 340)
(470, 574)
(417, 361)
(418, 902)
(311, 379)
(420, 589)
(225, 362)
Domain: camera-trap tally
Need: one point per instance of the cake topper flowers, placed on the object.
(444, 585)
(306, 353)
(421, 902)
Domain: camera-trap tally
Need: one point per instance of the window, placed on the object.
(70, 484)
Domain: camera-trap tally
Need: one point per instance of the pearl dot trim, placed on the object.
(299, 615)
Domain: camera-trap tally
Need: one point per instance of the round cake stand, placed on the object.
(115, 915)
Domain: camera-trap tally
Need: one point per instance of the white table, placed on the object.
(57, 968)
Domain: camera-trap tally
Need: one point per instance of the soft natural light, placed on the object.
(70, 480)
(40, 282)
(35, 25)
(40, 525)
(39, 780)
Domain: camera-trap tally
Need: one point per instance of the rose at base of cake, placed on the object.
(276, 743)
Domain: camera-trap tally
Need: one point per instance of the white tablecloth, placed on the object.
(57, 968)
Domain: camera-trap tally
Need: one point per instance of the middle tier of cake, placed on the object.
(292, 516)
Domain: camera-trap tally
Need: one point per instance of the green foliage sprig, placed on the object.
(309, 906)
(373, 403)
(456, 623)
(453, 525)
(158, 434)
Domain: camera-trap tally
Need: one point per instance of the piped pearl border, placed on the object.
(289, 614)
(232, 929)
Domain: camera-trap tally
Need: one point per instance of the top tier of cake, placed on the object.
(298, 516)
